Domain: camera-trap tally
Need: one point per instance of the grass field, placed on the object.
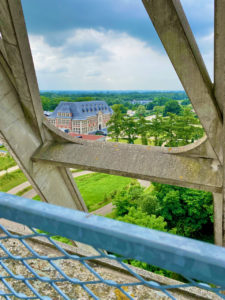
(3, 148)
(6, 162)
(96, 186)
(136, 142)
(37, 198)
(10, 180)
(20, 193)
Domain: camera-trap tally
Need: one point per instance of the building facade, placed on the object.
(81, 117)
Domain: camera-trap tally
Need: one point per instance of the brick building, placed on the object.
(81, 117)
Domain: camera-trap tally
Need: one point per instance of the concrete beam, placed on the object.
(148, 163)
(218, 218)
(19, 58)
(22, 117)
(174, 31)
(51, 183)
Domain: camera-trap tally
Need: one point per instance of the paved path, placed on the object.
(30, 194)
(81, 173)
(107, 209)
(144, 183)
(12, 169)
(19, 188)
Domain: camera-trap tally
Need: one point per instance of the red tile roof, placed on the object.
(87, 136)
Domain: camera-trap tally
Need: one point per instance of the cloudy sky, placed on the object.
(107, 44)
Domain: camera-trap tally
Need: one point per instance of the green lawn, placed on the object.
(10, 180)
(136, 142)
(20, 193)
(6, 162)
(3, 148)
(96, 186)
(76, 170)
(37, 197)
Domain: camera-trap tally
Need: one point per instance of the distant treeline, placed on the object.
(51, 99)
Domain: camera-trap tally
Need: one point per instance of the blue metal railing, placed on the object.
(201, 264)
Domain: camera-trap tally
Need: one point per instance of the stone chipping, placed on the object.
(71, 268)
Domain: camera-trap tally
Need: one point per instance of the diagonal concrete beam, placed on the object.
(174, 31)
(16, 45)
(149, 163)
(21, 122)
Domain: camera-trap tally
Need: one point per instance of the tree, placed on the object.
(185, 102)
(129, 128)
(126, 198)
(141, 111)
(138, 217)
(143, 129)
(183, 129)
(115, 122)
(172, 107)
(149, 203)
(189, 210)
(156, 130)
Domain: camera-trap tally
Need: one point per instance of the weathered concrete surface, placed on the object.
(147, 163)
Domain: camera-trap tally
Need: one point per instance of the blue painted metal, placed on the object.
(190, 258)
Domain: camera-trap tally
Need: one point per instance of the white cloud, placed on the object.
(99, 59)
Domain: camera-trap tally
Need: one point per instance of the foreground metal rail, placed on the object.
(196, 261)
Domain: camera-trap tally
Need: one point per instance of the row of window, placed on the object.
(63, 122)
(64, 114)
(93, 108)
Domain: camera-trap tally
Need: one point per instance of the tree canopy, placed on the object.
(172, 107)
